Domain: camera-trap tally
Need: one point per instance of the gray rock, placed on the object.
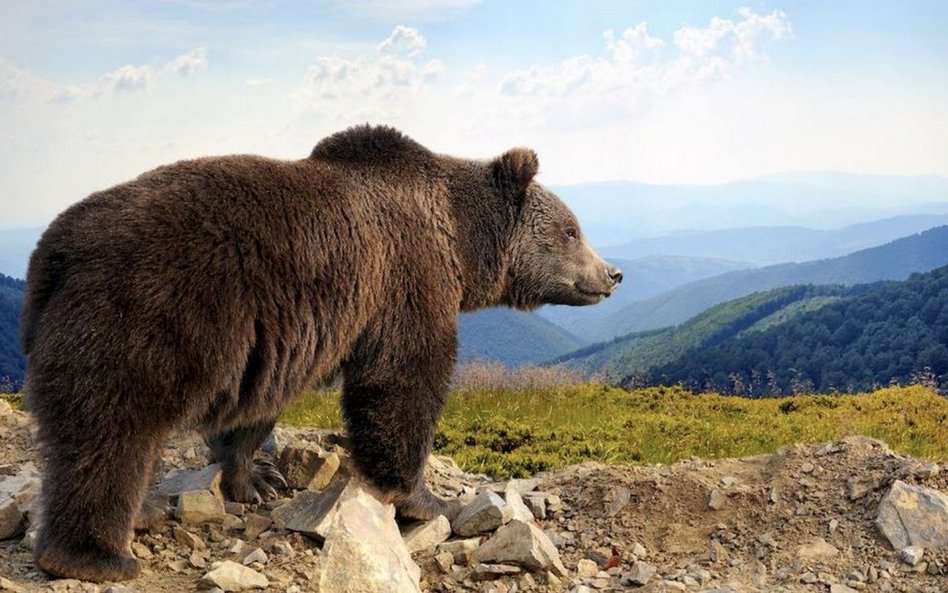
(492, 572)
(257, 555)
(586, 568)
(523, 544)
(188, 539)
(841, 588)
(620, 498)
(816, 549)
(199, 507)
(486, 512)
(306, 467)
(255, 524)
(519, 510)
(364, 551)
(154, 511)
(640, 574)
(178, 481)
(311, 513)
(912, 555)
(12, 520)
(536, 502)
(230, 576)
(717, 500)
(24, 488)
(914, 516)
(427, 534)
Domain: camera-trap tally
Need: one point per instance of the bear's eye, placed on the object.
(571, 232)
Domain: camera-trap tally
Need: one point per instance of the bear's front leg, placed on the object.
(391, 407)
(245, 479)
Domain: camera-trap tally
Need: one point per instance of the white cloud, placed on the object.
(377, 84)
(404, 41)
(258, 82)
(16, 83)
(189, 63)
(633, 62)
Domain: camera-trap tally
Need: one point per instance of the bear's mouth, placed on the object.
(595, 294)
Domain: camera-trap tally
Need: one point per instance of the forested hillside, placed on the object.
(12, 363)
(631, 357)
(891, 332)
(892, 261)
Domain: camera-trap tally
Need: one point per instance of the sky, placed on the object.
(94, 92)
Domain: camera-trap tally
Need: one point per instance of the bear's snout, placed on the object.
(615, 274)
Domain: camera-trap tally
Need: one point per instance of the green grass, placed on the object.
(515, 433)
(518, 432)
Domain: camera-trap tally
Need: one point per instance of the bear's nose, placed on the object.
(615, 274)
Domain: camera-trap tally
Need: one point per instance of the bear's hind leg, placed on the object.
(93, 487)
(246, 479)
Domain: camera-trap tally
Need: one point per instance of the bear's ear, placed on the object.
(514, 170)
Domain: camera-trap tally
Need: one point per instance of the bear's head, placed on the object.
(550, 261)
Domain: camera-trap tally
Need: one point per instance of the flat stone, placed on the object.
(230, 576)
(816, 549)
(311, 513)
(519, 510)
(492, 572)
(621, 496)
(523, 544)
(306, 467)
(487, 512)
(116, 589)
(12, 519)
(257, 555)
(460, 549)
(199, 507)
(427, 534)
(914, 516)
(586, 568)
(255, 524)
(717, 500)
(363, 549)
(188, 539)
(178, 481)
(912, 555)
(24, 487)
(155, 510)
(444, 560)
(841, 588)
(523, 486)
(234, 508)
(536, 502)
(640, 574)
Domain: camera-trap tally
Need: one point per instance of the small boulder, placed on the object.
(486, 512)
(305, 467)
(178, 481)
(364, 551)
(230, 576)
(523, 544)
(817, 548)
(913, 516)
(519, 510)
(427, 534)
(12, 520)
(199, 507)
(717, 500)
(640, 574)
(492, 572)
(311, 513)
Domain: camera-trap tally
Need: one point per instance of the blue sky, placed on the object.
(93, 92)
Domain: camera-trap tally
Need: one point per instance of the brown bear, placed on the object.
(209, 293)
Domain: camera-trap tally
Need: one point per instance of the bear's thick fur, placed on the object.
(210, 292)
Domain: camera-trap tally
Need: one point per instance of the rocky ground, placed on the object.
(837, 517)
